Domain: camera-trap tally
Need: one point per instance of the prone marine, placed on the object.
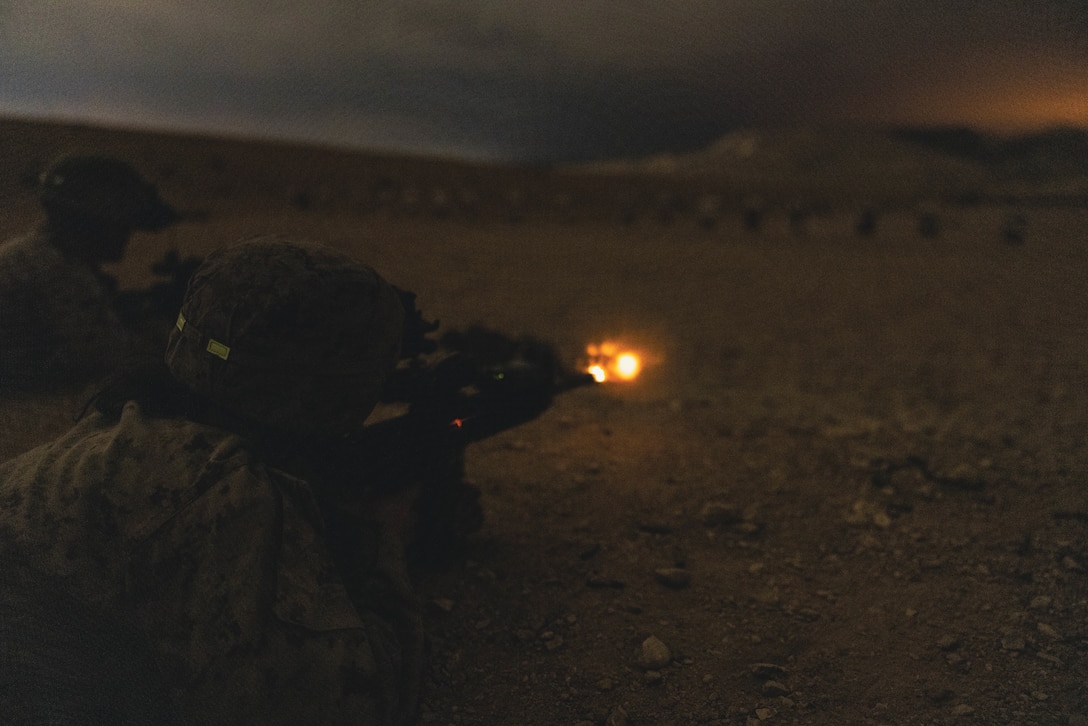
(59, 322)
(192, 500)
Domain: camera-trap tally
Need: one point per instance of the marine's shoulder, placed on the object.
(167, 447)
(140, 469)
(33, 244)
(172, 436)
(31, 256)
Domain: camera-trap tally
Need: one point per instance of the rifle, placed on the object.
(485, 383)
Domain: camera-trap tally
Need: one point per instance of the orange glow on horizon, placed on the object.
(1008, 98)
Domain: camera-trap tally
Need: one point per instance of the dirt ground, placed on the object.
(851, 485)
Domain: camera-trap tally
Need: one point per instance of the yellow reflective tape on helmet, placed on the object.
(180, 323)
(218, 349)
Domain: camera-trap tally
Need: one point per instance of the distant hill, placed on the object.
(209, 172)
(807, 167)
(899, 163)
(1052, 154)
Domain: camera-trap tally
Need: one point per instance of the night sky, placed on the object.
(542, 80)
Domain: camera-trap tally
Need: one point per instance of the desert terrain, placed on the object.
(851, 484)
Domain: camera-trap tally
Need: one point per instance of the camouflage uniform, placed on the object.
(50, 641)
(56, 318)
(223, 559)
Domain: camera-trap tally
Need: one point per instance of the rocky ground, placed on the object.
(850, 487)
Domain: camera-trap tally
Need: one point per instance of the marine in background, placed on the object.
(60, 320)
(198, 499)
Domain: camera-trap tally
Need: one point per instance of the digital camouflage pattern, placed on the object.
(288, 333)
(63, 661)
(57, 320)
(222, 562)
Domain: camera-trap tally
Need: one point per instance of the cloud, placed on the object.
(559, 78)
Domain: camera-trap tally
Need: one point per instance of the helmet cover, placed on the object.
(109, 190)
(289, 334)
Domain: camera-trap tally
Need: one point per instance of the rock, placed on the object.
(767, 671)
(590, 552)
(654, 655)
(1040, 602)
(775, 688)
(618, 717)
(654, 526)
(653, 678)
(674, 577)
(864, 513)
(940, 695)
(808, 615)
(554, 642)
(948, 642)
(1051, 659)
(1049, 631)
(1013, 642)
(606, 582)
(720, 514)
(749, 529)
(962, 709)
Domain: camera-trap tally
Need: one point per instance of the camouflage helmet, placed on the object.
(105, 189)
(288, 333)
